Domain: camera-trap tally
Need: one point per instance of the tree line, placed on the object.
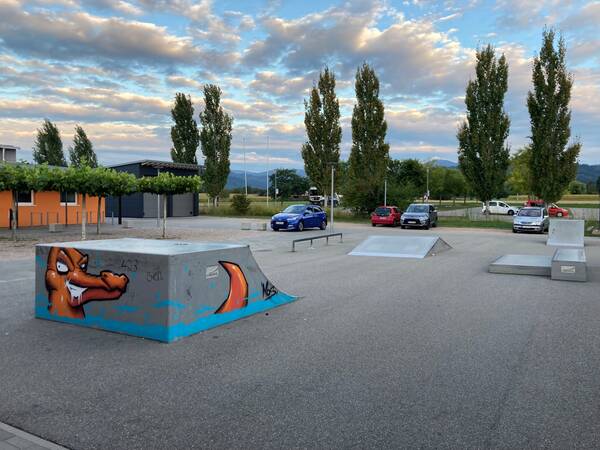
(99, 182)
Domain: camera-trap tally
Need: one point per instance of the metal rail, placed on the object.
(313, 238)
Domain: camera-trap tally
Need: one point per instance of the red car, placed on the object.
(553, 208)
(386, 215)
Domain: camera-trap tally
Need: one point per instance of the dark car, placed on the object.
(386, 215)
(299, 217)
(422, 215)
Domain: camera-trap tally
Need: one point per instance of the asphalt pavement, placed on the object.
(377, 352)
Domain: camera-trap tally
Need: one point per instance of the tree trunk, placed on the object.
(465, 199)
(487, 208)
(453, 201)
(83, 216)
(13, 215)
(164, 227)
(98, 215)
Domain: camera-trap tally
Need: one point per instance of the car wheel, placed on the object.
(559, 214)
(403, 227)
(372, 224)
(511, 212)
(301, 226)
(434, 224)
(323, 225)
(514, 231)
(426, 226)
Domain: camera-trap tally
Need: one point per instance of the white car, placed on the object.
(500, 207)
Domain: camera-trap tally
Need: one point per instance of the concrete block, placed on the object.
(566, 233)
(261, 227)
(246, 226)
(522, 265)
(55, 227)
(569, 264)
(127, 223)
(162, 290)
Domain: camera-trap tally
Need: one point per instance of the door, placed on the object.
(151, 204)
(493, 207)
(502, 208)
(183, 205)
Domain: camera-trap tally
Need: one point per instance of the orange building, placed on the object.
(43, 208)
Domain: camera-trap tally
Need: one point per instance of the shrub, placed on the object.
(240, 203)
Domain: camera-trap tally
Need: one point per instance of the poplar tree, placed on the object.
(82, 152)
(552, 164)
(184, 133)
(483, 155)
(48, 148)
(369, 156)
(215, 139)
(323, 130)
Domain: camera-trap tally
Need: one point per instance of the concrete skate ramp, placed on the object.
(157, 289)
(522, 265)
(410, 246)
(566, 233)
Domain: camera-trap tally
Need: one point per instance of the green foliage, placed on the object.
(577, 187)
(483, 156)
(166, 183)
(215, 139)
(408, 176)
(240, 203)
(82, 152)
(289, 183)
(323, 130)
(552, 165)
(369, 156)
(48, 148)
(519, 178)
(184, 133)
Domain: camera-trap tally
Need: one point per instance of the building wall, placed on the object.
(8, 154)
(47, 209)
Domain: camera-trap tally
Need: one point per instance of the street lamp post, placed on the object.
(245, 174)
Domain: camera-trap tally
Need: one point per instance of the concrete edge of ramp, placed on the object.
(539, 265)
(404, 246)
(165, 291)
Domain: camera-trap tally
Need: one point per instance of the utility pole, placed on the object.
(245, 174)
(268, 168)
(427, 183)
(157, 204)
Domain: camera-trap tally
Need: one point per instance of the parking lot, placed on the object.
(384, 352)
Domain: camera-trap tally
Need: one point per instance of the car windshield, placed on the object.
(418, 209)
(294, 209)
(530, 212)
(382, 211)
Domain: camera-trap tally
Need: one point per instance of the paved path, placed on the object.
(377, 353)
(12, 439)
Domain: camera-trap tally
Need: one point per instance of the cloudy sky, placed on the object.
(114, 66)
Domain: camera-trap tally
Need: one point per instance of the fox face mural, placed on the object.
(70, 286)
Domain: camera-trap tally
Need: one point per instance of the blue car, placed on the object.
(299, 217)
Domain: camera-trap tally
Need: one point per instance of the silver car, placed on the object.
(531, 219)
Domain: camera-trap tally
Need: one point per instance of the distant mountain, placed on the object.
(443, 163)
(255, 179)
(587, 173)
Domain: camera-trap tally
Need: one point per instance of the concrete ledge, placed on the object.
(246, 226)
(522, 265)
(127, 224)
(261, 227)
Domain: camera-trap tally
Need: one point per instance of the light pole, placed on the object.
(385, 192)
(332, 192)
(245, 174)
(427, 194)
(268, 167)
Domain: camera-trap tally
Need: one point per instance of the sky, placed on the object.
(114, 66)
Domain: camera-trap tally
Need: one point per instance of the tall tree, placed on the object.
(552, 164)
(323, 130)
(483, 155)
(184, 133)
(215, 139)
(48, 148)
(288, 182)
(82, 152)
(369, 156)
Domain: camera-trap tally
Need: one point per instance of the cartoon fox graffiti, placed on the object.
(70, 286)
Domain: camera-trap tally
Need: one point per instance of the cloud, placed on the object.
(80, 35)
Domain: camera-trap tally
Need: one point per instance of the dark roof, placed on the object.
(162, 165)
(9, 147)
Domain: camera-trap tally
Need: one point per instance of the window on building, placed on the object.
(70, 198)
(25, 198)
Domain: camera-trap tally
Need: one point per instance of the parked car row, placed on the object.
(500, 207)
(420, 215)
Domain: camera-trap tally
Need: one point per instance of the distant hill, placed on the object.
(255, 179)
(443, 163)
(587, 173)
